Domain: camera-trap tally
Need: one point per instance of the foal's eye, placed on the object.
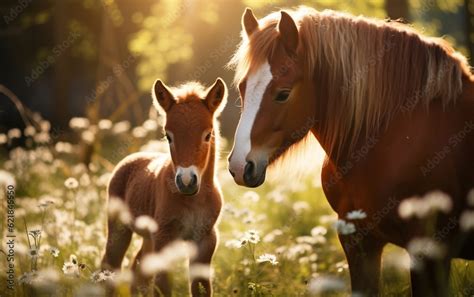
(168, 137)
(282, 96)
(208, 137)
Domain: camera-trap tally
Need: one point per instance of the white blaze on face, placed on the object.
(256, 85)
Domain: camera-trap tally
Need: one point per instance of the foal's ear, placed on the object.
(162, 97)
(249, 21)
(216, 96)
(288, 32)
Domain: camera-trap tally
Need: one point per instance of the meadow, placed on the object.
(277, 240)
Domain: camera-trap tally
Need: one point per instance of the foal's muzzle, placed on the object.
(187, 182)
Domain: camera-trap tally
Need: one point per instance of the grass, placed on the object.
(292, 219)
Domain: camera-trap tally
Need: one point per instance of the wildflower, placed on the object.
(102, 276)
(122, 277)
(71, 183)
(121, 127)
(325, 284)
(88, 136)
(119, 210)
(139, 132)
(27, 277)
(3, 138)
(251, 196)
(250, 236)
(42, 137)
(54, 252)
(201, 271)
(146, 224)
(168, 256)
(14, 133)
(267, 258)
(6, 178)
(271, 236)
(29, 131)
(105, 124)
(150, 125)
(71, 269)
(300, 207)
(470, 197)
(45, 203)
(356, 215)
(45, 126)
(33, 253)
(46, 280)
(318, 230)
(78, 123)
(466, 221)
(344, 227)
(425, 247)
(421, 207)
(233, 243)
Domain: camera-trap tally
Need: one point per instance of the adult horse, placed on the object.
(394, 112)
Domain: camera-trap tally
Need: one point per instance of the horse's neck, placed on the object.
(208, 175)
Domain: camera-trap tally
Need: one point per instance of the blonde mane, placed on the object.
(369, 69)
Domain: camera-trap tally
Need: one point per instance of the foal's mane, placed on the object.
(366, 69)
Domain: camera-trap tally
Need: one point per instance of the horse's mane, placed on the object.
(369, 69)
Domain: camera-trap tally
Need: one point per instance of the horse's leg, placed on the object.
(200, 266)
(141, 283)
(363, 255)
(430, 277)
(165, 236)
(118, 240)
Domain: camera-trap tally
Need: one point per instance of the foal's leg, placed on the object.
(201, 283)
(363, 253)
(118, 240)
(141, 283)
(430, 277)
(165, 236)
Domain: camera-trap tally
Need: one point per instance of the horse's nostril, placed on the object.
(249, 171)
(193, 181)
(232, 173)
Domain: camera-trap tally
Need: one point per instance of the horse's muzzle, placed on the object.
(187, 189)
(254, 174)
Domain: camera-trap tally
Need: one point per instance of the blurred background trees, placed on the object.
(99, 58)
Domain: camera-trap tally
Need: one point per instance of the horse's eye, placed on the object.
(168, 137)
(208, 137)
(282, 96)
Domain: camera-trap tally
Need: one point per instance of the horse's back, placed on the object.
(134, 178)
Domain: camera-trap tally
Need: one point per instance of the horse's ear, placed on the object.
(216, 96)
(249, 21)
(162, 97)
(288, 32)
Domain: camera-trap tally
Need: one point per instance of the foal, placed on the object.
(179, 191)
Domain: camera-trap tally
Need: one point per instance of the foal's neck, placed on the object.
(208, 174)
